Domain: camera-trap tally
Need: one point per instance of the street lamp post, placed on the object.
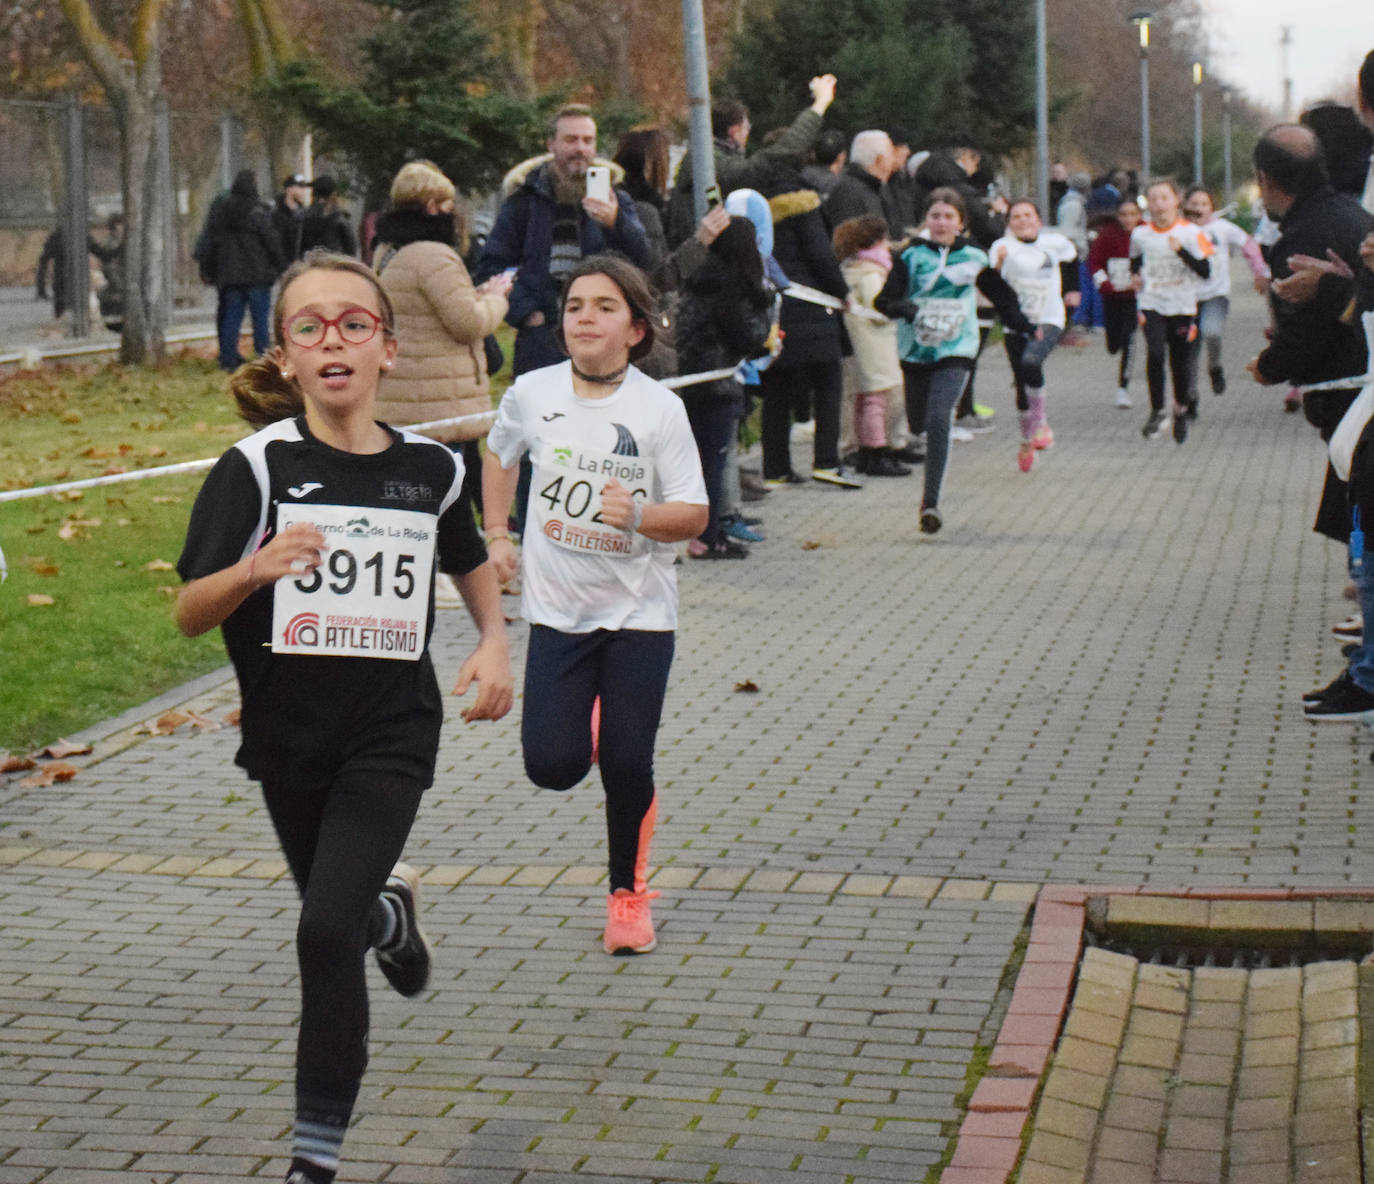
(1042, 113)
(1197, 123)
(1227, 188)
(1141, 19)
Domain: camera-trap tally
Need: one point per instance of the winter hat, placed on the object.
(751, 204)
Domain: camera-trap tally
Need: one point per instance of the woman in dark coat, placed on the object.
(809, 367)
(724, 314)
(247, 259)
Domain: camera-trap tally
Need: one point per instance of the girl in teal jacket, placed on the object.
(930, 293)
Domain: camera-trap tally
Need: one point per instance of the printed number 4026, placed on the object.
(343, 567)
(576, 499)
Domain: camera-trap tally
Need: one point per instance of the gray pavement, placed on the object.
(27, 325)
(1091, 676)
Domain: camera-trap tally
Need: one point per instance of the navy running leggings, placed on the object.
(341, 839)
(564, 674)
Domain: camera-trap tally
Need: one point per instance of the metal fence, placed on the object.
(61, 167)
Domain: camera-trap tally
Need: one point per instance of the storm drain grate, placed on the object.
(1186, 955)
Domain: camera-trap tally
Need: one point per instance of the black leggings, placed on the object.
(1119, 317)
(1171, 336)
(341, 839)
(564, 674)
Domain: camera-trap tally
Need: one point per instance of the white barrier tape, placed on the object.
(189, 466)
(1339, 384)
(195, 466)
(825, 300)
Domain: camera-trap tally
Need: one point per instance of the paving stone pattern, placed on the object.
(1091, 676)
(1173, 1076)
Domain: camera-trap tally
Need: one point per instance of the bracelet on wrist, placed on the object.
(496, 532)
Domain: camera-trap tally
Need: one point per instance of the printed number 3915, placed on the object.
(343, 568)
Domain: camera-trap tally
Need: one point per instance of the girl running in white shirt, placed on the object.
(1214, 293)
(617, 480)
(1169, 256)
(1041, 267)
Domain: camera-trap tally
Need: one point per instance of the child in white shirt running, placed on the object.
(1169, 256)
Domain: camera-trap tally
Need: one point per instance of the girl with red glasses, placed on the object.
(313, 545)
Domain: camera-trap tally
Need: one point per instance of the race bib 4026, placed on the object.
(565, 498)
(369, 598)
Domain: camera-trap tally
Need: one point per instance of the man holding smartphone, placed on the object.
(557, 209)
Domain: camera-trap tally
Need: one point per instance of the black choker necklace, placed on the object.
(601, 379)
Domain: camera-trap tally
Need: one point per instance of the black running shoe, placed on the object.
(931, 520)
(1336, 684)
(1351, 704)
(1218, 380)
(405, 961)
(1180, 428)
(1154, 426)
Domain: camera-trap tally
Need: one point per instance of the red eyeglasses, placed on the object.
(356, 326)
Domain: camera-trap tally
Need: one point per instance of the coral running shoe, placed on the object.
(629, 923)
(1043, 439)
(1025, 456)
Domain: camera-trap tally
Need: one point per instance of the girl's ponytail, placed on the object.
(261, 395)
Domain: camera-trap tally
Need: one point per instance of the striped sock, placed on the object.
(315, 1148)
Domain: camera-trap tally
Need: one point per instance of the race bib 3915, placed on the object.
(369, 598)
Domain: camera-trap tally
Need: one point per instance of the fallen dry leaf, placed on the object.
(155, 450)
(69, 495)
(49, 775)
(159, 565)
(39, 600)
(61, 748)
(203, 723)
(168, 590)
(810, 545)
(41, 565)
(232, 717)
(164, 725)
(114, 470)
(16, 764)
(747, 687)
(34, 529)
(165, 500)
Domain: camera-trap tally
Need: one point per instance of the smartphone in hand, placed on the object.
(599, 182)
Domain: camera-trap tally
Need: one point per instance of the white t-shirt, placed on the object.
(580, 575)
(1171, 286)
(1224, 236)
(1032, 270)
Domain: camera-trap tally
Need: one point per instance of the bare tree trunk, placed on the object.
(133, 86)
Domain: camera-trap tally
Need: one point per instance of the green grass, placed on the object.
(107, 642)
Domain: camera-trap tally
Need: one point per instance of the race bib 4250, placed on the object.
(369, 598)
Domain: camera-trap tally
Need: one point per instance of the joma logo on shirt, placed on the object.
(404, 491)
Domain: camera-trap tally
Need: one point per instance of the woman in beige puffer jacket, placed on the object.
(441, 318)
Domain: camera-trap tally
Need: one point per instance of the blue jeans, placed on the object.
(932, 393)
(1362, 660)
(713, 421)
(258, 301)
(1090, 310)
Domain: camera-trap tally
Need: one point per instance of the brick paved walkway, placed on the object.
(1091, 676)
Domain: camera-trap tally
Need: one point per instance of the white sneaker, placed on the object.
(803, 431)
(960, 435)
(1123, 397)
